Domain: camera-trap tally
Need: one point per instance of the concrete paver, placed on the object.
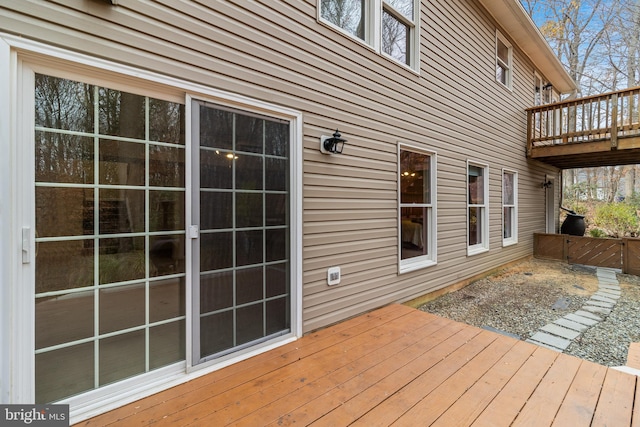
(559, 331)
(559, 334)
(552, 340)
(579, 327)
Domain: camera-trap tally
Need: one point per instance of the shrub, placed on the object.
(596, 232)
(617, 219)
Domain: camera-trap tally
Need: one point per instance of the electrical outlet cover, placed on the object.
(333, 276)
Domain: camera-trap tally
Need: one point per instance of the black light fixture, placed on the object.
(547, 184)
(332, 144)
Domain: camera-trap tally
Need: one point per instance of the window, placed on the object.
(417, 177)
(477, 208)
(389, 26)
(503, 60)
(509, 208)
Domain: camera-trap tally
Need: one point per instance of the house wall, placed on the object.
(278, 52)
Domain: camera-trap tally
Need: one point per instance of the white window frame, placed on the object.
(19, 59)
(514, 216)
(508, 66)
(431, 258)
(373, 29)
(483, 246)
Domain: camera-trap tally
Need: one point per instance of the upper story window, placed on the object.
(477, 208)
(504, 58)
(389, 26)
(417, 177)
(509, 207)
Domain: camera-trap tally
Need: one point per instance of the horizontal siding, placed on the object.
(278, 52)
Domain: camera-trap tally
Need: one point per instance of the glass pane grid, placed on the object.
(87, 260)
(241, 281)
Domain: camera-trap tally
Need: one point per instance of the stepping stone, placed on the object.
(610, 293)
(499, 331)
(597, 310)
(606, 295)
(554, 329)
(602, 272)
(561, 304)
(581, 319)
(543, 345)
(596, 297)
(588, 315)
(551, 340)
(600, 303)
(608, 282)
(571, 325)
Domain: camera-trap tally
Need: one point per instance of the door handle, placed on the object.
(26, 245)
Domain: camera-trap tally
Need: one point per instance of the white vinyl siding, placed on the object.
(417, 219)
(284, 54)
(509, 207)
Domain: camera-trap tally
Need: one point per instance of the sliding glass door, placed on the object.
(241, 201)
(110, 245)
(114, 245)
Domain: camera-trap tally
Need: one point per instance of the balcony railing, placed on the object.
(590, 125)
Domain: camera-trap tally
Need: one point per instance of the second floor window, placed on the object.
(389, 26)
(503, 60)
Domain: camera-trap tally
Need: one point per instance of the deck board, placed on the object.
(507, 404)
(437, 402)
(544, 403)
(615, 405)
(396, 365)
(580, 402)
(471, 404)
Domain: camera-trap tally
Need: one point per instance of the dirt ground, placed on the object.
(521, 299)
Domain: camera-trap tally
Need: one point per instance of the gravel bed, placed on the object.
(527, 296)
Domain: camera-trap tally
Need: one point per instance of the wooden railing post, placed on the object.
(529, 132)
(614, 121)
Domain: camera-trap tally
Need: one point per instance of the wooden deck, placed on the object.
(600, 130)
(397, 366)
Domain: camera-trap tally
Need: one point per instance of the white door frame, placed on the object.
(17, 210)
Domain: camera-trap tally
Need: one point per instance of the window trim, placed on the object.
(373, 14)
(483, 246)
(514, 224)
(431, 258)
(499, 63)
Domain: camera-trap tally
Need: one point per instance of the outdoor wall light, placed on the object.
(547, 184)
(332, 144)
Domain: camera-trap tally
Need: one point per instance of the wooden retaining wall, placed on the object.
(623, 254)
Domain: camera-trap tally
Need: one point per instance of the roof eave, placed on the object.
(525, 34)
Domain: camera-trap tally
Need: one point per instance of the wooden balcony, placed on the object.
(601, 130)
(397, 366)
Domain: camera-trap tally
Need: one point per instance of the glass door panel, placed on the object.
(110, 224)
(241, 205)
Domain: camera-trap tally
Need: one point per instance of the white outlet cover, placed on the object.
(333, 276)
